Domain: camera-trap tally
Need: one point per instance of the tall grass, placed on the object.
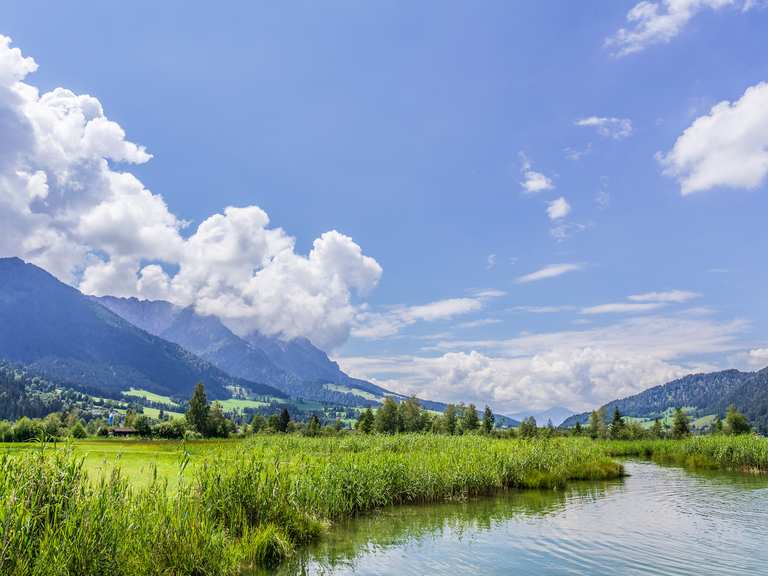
(742, 453)
(250, 503)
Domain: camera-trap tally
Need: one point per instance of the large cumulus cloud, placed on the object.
(68, 204)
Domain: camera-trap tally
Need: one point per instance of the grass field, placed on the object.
(169, 508)
(151, 396)
(139, 461)
(120, 508)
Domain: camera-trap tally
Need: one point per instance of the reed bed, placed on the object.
(249, 504)
(747, 453)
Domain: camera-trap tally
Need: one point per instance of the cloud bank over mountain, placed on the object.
(68, 205)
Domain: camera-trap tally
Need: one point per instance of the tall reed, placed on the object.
(250, 503)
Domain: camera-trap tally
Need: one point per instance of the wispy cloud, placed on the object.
(389, 322)
(540, 309)
(658, 22)
(608, 127)
(668, 296)
(551, 271)
(623, 308)
(479, 323)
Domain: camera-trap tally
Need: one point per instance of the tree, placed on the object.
(596, 424)
(78, 430)
(617, 424)
(680, 426)
(450, 419)
(283, 421)
(736, 422)
(469, 419)
(528, 428)
(656, 430)
(386, 417)
(577, 430)
(218, 426)
(313, 426)
(258, 423)
(365, 421)
(489, 420)
(142, 425)
(718, 425)
(409, 415)
(273, 423)
(197, 412)
(438, 425)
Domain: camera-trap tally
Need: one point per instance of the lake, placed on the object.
(659, 520)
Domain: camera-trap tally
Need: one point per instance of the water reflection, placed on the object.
(660, 520)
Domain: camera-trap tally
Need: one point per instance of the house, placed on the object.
(123, 431)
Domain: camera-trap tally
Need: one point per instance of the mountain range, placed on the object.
(107, 346)
(702, 395)
(55, 331)
(296, 366)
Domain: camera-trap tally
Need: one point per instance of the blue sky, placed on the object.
(411, 129)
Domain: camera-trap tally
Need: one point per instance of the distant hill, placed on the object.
(557, 414)
(703, 394)
(296, 366)
(57, 332)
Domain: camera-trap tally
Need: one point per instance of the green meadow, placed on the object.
(129, 507)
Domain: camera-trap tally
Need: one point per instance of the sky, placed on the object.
(521, 204)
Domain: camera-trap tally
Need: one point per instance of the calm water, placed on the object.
(658, 521)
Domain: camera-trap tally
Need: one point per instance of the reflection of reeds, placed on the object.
(399, 525)
(252, 502)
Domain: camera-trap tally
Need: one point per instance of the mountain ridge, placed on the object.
(56, 331)
(705, 393)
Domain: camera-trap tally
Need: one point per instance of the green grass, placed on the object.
(240, 404)
(155, 413)
(211, 508)
(151, 396)
(354, 391)
(742, 453)
(132, 508)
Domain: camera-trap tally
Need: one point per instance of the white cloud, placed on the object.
(479, 323)
(489, 293)
(582, 369)
(558, 208)
(669, 296)
(551, 271)
(758, 357)
(541, 309)
(658, 22)
(728, 147)
(616, 128)
(564, 230)
(490, 262)
(533, 181)
(382, 324)
(623, 308)
(375, 324)
(65, 205)
(577, 154)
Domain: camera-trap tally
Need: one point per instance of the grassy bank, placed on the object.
(746, 453)
(252, 502)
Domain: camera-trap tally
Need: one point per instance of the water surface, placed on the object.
(659, 520)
